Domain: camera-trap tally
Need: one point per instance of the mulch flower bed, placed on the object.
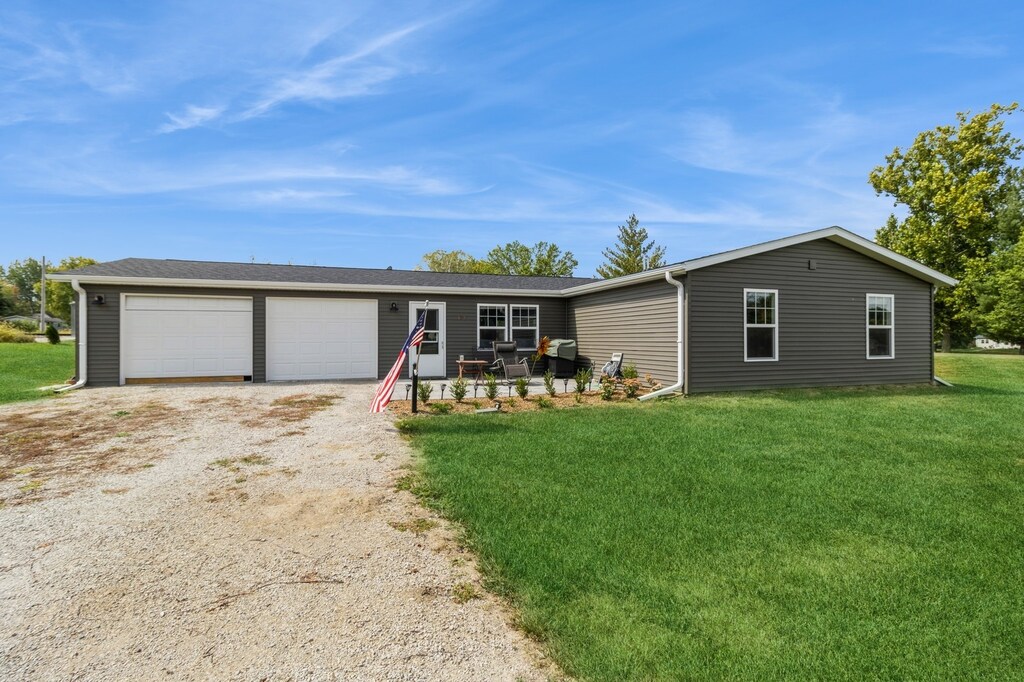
(531, 403)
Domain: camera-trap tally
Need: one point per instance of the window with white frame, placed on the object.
(524, 326)
(519, 323)
(491, 325)
(880, 327)
(760, 325)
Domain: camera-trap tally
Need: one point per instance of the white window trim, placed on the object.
(536, 329)
(774, 327)
(508, 322)
(891, 327)
(479, 345)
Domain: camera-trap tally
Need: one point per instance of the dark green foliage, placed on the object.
(459, 388)
(52, 335)
(582, 379)
(522, 387)
(549, 383)
(632, 253)
(956, 183)
(542, 259)
(423, 391)
(490, 386)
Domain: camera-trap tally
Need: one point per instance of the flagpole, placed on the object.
(416, 364)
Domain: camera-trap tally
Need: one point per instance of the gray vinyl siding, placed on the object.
(393, 327)
(821, 337)
(638, 320)
(103, 340)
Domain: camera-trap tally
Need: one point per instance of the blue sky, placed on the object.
(365, 134)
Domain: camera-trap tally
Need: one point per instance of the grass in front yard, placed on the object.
(24, 367)
(851, 534)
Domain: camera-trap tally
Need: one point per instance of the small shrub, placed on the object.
(522, 387)
(607, 388)
(459, 388)
(491, 386)
(631, 387)
(511, 402)
(423, 391)
(578, 397)
(476, 404)
(629, 372)
(441, 408)
(9, 334)
(544, 403)
(582, 378)
(52, 335)
(549, 383)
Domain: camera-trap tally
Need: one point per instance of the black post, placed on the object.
(415, 378)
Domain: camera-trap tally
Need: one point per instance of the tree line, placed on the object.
(634, 251)
(21, 288)
(961, 191)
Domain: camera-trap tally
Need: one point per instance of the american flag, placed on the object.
(387, 387)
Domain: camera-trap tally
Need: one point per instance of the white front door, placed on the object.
(432, 357)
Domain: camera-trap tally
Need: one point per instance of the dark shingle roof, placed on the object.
(315, 274)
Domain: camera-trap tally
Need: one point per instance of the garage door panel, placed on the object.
(186, 336)
(323, 338)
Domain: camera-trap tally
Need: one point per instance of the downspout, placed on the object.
(680, 335)
(81, 335)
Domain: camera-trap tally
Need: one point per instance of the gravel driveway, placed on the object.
(231, 532)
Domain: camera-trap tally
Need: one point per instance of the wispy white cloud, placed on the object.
(969, 48)
(192, 116)
(340, 77)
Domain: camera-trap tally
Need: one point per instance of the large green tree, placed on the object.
(954, 182)
(8, 298)
(633, 252)
(59, 295)
(513, 258)
(25, 276)
(543, 258)
(455, 261)
(997, 284)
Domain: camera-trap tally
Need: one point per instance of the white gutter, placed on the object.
(383, 290)
(80, 338)
(680, 336)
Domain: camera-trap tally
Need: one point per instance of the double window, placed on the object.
(760, 325)
(880, 327)
(513, 322)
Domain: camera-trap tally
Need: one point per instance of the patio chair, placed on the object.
(508, 363)
(613, 368)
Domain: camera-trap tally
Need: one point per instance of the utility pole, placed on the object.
(42, 300)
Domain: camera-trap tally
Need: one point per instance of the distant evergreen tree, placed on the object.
(633, 252)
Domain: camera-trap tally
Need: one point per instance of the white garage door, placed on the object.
(185, 336)
(321, 338)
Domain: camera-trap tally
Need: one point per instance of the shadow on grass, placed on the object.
(471, 424)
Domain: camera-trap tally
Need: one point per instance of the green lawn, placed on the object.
(840, 534)
(24, 367)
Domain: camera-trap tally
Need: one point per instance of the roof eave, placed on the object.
(836, 234)
(297, 286)
(657, 274)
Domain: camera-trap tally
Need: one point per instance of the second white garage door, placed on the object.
(321, 338)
